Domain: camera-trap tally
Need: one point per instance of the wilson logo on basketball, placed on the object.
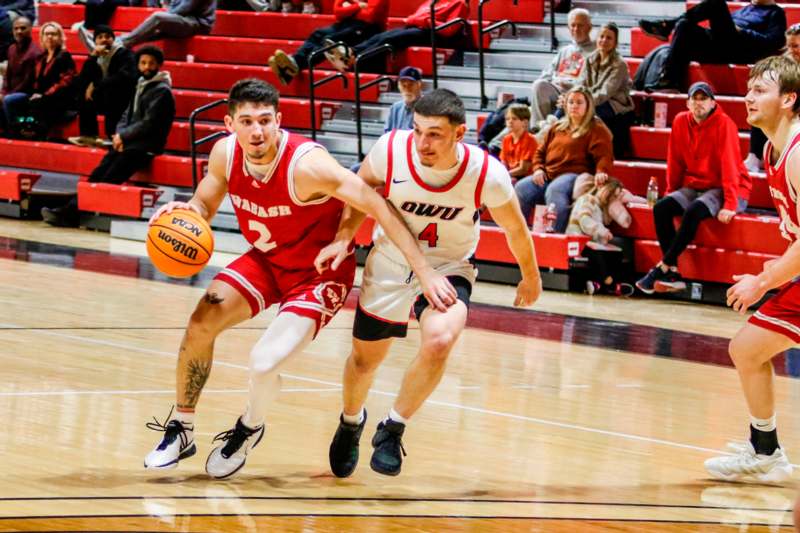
(189, 226)
(190, 252)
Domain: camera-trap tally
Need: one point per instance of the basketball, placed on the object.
(180, 243)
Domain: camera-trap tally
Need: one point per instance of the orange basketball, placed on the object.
(180, 243)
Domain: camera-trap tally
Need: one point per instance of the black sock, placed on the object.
(764, 442)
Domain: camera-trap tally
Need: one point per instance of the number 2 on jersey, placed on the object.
(430, 234)
(263, 244)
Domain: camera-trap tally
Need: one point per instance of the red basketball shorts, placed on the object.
(781, 313)
(303, 292)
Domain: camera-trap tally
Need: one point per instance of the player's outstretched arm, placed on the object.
(509, 217)
(210, 191)
(330, 178)
(748, 288)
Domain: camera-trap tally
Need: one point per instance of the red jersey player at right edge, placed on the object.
(773, 103)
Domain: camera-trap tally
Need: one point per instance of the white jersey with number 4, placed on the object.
(440, 207)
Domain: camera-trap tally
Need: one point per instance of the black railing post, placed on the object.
(434, 66)
(382, 49)
(481, 33)
(193, 144)
(312, 85)
(553, 38)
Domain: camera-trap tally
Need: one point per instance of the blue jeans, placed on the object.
(15, 105)
(557, 191)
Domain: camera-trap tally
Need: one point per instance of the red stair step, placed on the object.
(14, 184)
(110, 199)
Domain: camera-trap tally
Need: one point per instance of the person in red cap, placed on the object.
(705, 178)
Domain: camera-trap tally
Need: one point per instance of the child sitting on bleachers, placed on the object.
(519, 146)
(591, 216)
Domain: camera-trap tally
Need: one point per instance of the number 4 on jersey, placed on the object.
(430, 234)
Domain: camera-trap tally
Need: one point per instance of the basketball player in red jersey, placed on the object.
(773, 104)
(288, 196)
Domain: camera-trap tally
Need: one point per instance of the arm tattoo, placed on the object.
(212, 298)
(195, 381)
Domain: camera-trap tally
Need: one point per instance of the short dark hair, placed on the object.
(102, 29)
(254, 91)
(442, 103)
(150, 50)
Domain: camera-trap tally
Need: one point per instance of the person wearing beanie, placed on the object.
(705, 178)
(105, 85)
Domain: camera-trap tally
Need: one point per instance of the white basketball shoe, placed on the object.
(226, 460)
(747, 465)
(177, 444)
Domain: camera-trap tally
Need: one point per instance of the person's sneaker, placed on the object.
(622, 289)
(388, 444)
(747, 465)
(343, 453)
(85, 37)
(280, 73)
(309, 8)
(671, 282)
(84, 140)
(339, 57)
(660, 29)
(274, 5)
(285, 65)
(177, 444)
(60, 217)
(592, 287)
(226, 460)
(647, 283)
(287, 7)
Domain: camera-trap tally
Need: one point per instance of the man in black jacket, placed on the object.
(106, 84)
(9, 11)
(141, 132)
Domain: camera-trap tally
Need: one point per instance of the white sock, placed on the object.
(395, 416)
(354, 420)
(764, 424)
(186, 418)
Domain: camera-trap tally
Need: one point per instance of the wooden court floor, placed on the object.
(525, 433)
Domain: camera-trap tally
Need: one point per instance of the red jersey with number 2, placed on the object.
(289, 233)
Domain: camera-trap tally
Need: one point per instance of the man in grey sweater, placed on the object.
(565, 68)
(183, 18)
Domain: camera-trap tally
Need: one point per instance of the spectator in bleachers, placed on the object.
(307, 7)
(744, 36)
(606, 76)
(356, 21)
(401, 114)
(105, 85)
(183, 18)
(564, 69)
(705, 178)
(10, 10)
(579, 143)
(53, 96)
(141, 132)
(21, 68)
(757, 138)
(416, 32)
(519, 146)
(591, 215)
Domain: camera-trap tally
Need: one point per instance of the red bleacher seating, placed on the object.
(726, 79)
(652, 143)
(753, 233)
(14, 185)
(703, 263)
(120, 200)
(734, 106)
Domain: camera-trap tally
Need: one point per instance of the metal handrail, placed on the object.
(553, 38)
(481, 32)
(312, 85)
(193, 144)
(382, 49)
(434, 63)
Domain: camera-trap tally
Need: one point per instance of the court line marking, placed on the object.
(165, 391)
(395, 515)
(346, 499)
(511, 416)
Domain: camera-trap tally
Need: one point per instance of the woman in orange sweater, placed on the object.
(579, 143)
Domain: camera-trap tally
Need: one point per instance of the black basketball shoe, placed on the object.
(343, 453)
(388, 444)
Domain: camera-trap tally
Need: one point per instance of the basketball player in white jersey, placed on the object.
(773, 104)
(288, 194)
(437, 184)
